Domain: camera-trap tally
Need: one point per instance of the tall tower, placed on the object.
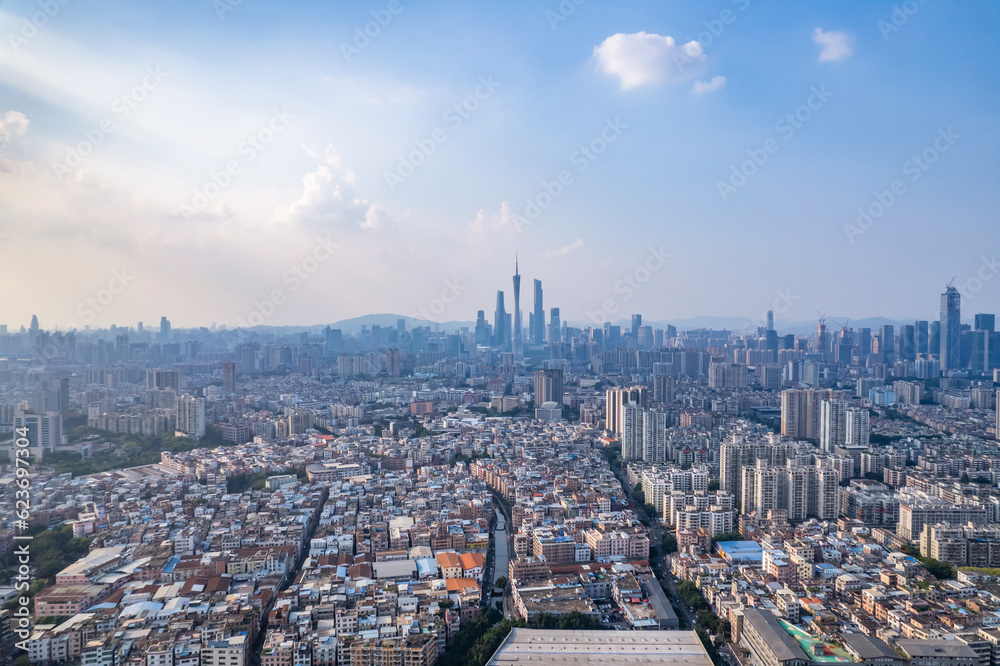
(538, 330)
(951, 328)
(500, 330)
(517, 309)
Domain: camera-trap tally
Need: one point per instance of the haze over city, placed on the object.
(650, 113)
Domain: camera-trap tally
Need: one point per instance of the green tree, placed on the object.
(713, 485)
(501, 582)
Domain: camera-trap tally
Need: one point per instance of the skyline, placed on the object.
(637, 137)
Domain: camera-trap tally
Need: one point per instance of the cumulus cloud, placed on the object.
(715, 83)
(563, 251)
(502, 222)
(330, 198)
(647, 59)
(13, 124)
(835, 44)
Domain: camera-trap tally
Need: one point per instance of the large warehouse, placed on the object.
(539, 647)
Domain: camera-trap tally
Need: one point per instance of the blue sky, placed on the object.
(198, 78)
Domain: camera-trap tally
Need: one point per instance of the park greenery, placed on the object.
(938, 569)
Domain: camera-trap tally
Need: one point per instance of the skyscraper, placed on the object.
(832, 424)
(923, 337)
(500, 338)
(548, 386)
(887, 344)
(228, 377)
(770, 320)
(907, 343)
(555, 333)
(636, 325)
(538, 327)
(517, 310)
(858, 427)
(164, 329)
(951, 328)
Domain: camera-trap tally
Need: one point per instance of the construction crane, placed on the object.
(822, 318)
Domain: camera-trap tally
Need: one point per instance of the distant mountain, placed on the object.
(353, 326)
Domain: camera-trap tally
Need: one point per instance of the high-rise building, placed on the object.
(517, 311)
(770, 320)
(951, 329)
(484, 332)
(538, 323)
(644, 434)
(857, 427)
(191, 416)
(832, 425)
(887, 344)
(228, 377)
(616, 399)
(907, 343)
(636, 323)
(163, 379)
(663, 387)
(164, 329)
(922, 329)
(393, 362)
(555, 332)
(42, 430)
(548, 386)
(501, 334)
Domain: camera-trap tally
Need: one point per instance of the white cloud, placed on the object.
(502, 222)
(836, 44)
(330, 198)
(708, 86)
(641, 59)
(563, 251)
(13, 124)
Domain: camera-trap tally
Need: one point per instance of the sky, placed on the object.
(296, 163)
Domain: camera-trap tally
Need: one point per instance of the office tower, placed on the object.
(555, 332)
(769, 376)
(951, 329)
(644, 338)
(163, 379)
(887, 344)
(228, 377)
(538, 323)
(517, 310)
(34, 324)
(484, 332)
(832, 425)
(548, 386)
(997, 424)
(191, 416)
(400, 325)
(934, 339)
(858, 430)
(43, 430)
(636, 323)
(922, 337)
(907, 343)
(663, 387)
(671, 331)
(983, 344)
(333, 340)
(164, 329)
(865, 342)
(770, 320)
(500, 331)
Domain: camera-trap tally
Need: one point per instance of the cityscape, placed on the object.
(499, 334)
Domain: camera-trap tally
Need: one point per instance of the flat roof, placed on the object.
(774, 635)
(542, 646)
